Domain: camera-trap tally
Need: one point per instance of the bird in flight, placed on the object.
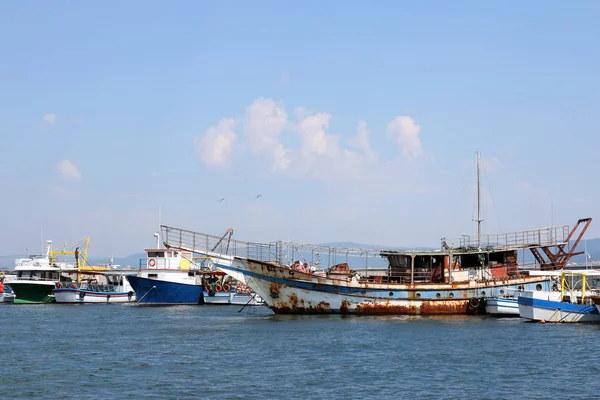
(218, 201)
(260, 195)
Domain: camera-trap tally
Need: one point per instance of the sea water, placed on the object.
(217, 352)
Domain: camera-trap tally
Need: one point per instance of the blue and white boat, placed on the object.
(571, 303)
(167, 277)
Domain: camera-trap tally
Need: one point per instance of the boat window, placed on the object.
(152, 275)
(156, 254)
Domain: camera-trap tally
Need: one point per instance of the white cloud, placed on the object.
(49, 118)
(69, 171)
(361, 140)
(314, 138)
(300, 144)
(406, 132)
(214, 147)
(263, 123)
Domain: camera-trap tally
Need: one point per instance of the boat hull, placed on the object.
(233, 298)
(502, 306)
(550, 310)
(79, 296)
(154, 292)
(292, 292)
(27, 292)
(7, 297)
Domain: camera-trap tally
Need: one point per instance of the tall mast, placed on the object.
(479, 199)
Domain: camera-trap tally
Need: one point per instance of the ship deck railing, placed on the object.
(279, 252)
(542, 237)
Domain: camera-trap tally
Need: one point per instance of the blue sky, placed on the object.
(355, 121)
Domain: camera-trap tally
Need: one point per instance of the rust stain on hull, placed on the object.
(442, 307)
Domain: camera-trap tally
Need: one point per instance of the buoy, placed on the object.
(543, 321)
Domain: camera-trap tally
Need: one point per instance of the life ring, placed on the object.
(151, 262)
(73, 286)
(248, 290)
(239, 290)
(58, 285)
(474, 302)
(218, 288)
(226, 287)
(208, 288)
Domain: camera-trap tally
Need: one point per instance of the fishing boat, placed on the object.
(572, 302)
(171, 277)
(36, 276)
(113, 287)
(455, 279)
(165, 278)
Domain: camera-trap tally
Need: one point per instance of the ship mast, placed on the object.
(479, 220)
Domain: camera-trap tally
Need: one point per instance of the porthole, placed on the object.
(418, 295)
(483, 293)
(502, 291)
(391, 294)
(438, 295)
(451, 295)
(538, 287)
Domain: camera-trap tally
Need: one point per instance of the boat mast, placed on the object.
(479, 220)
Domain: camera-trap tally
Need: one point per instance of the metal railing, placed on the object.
(550, 236)
(282, 253)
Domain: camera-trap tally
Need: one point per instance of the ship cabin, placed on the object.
(445, 266)
(166, 259)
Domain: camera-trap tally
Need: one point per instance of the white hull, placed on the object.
(546, 306)
(555, 315)
(7, 297)
(502, 306)
(75, 297)
(233, 298)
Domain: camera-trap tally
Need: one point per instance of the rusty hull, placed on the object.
(292, 292)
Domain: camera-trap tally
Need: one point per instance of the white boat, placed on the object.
(6, 294)
(37, 275)
(222, 289)
(573, 302)
(114, 288)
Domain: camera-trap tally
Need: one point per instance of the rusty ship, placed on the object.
(457, 278)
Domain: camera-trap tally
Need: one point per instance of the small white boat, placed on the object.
(220, 288)
(6, 294)
(114, 289)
